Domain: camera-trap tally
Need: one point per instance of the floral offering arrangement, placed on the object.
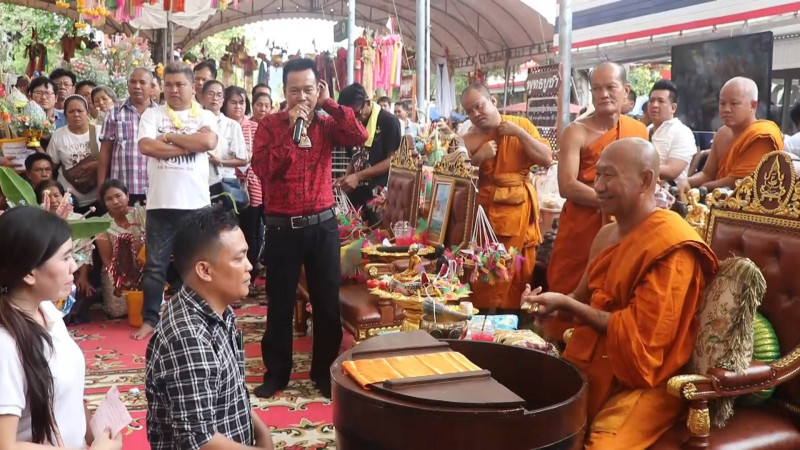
(351, 224)
(21, 117)
(89, 66)
(493, 262)
(414, 284)
(112, 64)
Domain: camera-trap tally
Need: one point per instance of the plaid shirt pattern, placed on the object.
(121, 126)
(194, 377)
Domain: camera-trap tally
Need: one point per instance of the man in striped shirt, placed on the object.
(119, 148)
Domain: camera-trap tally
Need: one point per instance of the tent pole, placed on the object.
(505, 88)
(170, 38)
(421, 58)
(427, 53)
(351, 41)
(565, 55)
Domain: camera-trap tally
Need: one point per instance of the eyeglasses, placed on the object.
(216, 95)
(43, 94)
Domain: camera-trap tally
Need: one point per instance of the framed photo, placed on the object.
(440, 210)
(18, 150)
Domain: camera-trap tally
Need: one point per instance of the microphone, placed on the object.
(298, 130)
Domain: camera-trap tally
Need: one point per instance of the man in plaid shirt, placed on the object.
(119, 148)
(194, 377)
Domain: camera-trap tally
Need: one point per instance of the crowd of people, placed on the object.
(207, 144)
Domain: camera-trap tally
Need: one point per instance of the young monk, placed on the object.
(635, 305)
(505, 148)
(581, 145)
(741, 143)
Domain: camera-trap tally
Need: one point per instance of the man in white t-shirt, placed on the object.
(792, 143)
(402, 110)
(176, 137)
(673, 140)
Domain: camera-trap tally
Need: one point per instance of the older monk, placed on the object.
(635, 305)
(581, 145)
(504, 148)
(741, 143)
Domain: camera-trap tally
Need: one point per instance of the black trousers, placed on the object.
(286, 251)
(250, 220)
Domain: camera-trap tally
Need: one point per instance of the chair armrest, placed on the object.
(720, 383)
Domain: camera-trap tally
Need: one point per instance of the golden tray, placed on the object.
(414, 301)
(373, 251)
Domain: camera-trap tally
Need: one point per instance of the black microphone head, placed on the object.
(298, 130)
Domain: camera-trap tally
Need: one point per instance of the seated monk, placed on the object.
(635, 305)
(741, 143)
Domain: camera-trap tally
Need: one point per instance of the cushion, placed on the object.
(725, 335)
(766, 350)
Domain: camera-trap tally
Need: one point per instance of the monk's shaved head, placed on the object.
(609, 89)
(477, 87)
(738, 103)
(480, 106)
(636, 153)
(618, 69)
(627, 177)
(743, 85)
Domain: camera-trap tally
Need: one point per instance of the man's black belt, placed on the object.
(297, 222)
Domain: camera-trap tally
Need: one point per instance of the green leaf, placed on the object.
(15, 188)
(89, 228)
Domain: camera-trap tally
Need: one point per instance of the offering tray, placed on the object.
(537, 402)
(391, 253)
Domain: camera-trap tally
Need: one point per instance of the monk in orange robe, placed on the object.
(580, 220)
(636, 305)
(504, 148)
(741, 143)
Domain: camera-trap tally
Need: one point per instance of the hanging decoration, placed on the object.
(493, 262)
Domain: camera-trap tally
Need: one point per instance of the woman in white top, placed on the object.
(231, 151)
(70, 145)
(41, 368)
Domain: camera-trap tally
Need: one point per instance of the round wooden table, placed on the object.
(531, 400)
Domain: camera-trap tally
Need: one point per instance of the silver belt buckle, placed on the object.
(292, 222)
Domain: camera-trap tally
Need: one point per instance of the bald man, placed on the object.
(119, 149)
(581, 145)
(504, 148)
(635, 305)
(741, 143)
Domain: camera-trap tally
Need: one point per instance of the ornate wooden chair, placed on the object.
(759, 220)
(363, 314)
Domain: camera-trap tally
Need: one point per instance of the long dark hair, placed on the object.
(30, 236)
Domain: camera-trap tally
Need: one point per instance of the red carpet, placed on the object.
(298, 416)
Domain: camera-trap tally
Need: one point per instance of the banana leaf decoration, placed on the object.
(19, 192)
(16, 189)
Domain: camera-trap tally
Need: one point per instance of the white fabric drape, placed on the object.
(445, 89)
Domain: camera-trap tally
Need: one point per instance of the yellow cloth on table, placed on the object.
(368, 371)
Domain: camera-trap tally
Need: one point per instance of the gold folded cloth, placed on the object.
(378, 370)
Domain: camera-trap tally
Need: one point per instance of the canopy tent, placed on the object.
(471, 32)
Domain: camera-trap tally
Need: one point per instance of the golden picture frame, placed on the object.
(439, 213)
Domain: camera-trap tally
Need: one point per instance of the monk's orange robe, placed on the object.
(578, 225)
(652, 283)
(760, 138)
(507, 195)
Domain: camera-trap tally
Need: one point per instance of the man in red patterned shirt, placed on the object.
(301, 228)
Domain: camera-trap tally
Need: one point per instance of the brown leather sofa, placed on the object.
(759, 220)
